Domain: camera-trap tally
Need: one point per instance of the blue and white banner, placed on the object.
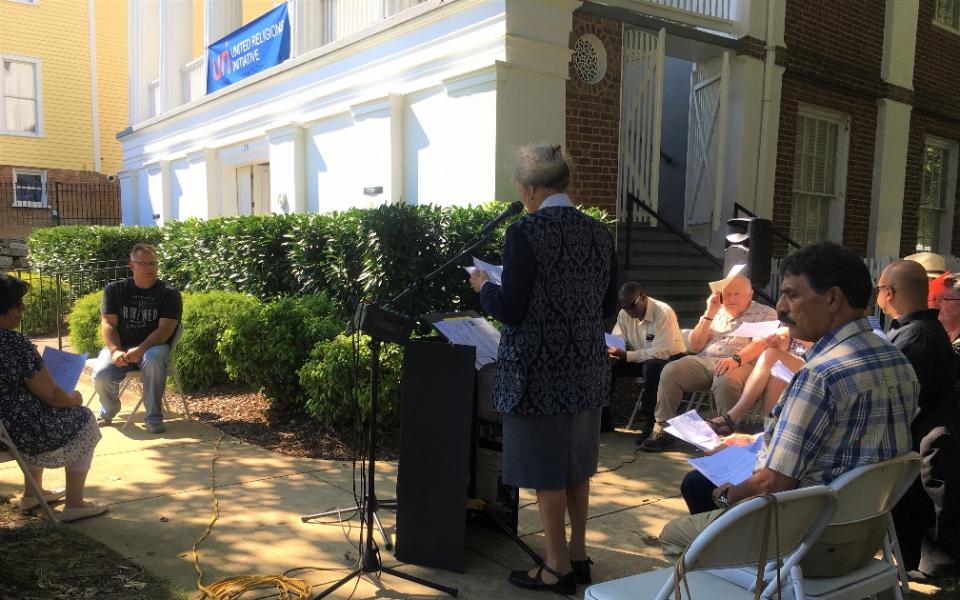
(258, 45)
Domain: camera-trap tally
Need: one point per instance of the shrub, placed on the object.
(205, 316)
(329, 379)
(265, 347)
(84, 325)
(46, 303)
(77, 244)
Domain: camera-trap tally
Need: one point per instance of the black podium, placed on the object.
(449, 452)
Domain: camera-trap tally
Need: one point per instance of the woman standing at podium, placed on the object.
(558, 284)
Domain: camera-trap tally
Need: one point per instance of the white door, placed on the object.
(244, 191)
(261, 190)
(705, 141)
(641, 101)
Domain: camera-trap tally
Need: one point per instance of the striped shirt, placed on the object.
(850, 404)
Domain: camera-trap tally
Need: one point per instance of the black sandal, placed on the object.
(565, 584)
(581, 570)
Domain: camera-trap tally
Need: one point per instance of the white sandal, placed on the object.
(75, 514)
(25, 503)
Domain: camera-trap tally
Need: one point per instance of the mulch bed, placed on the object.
(248, 416)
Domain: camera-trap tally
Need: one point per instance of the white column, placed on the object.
(220, 17)
(532, 81)
(307, 25)
(212, 177)
(395, 193)
(889, 176)
(176, 17)
(144, 61)
(893, 130)
(287, 167)
(129, 197)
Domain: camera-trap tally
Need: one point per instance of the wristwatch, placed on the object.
(737, 358)
(721, 500)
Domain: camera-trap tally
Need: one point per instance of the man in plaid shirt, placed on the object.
(850, 404)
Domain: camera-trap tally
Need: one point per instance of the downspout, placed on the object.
(769, 64)
(94, 96)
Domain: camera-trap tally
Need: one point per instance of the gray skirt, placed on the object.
(550, 452)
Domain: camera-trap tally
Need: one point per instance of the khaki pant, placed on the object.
(695, 374)
(839, 549)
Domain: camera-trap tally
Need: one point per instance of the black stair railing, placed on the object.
(633, 200)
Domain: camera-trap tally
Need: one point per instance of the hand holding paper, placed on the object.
(65, 367)
(494, 272)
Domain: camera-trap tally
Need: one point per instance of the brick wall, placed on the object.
(833, 59)
(85, 198)
(56, 175)
(593, 118)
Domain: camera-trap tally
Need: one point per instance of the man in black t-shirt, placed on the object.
(138, 318)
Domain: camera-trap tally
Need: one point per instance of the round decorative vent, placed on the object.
(590, 58)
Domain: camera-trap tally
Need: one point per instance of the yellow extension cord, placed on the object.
(232, 588)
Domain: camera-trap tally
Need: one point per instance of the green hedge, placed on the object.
(329, 380)
(51, 247)
(84, 325)
(205, 316)
(266, 345)
(358, 253)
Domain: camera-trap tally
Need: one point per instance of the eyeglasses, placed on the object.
(939, 299)
(880, 287)
(634, 303)
(146, 263)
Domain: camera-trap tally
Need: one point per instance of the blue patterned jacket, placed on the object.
(558, 284)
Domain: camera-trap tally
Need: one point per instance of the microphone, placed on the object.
(513, 209)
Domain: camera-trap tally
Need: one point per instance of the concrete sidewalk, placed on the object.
(158, 489)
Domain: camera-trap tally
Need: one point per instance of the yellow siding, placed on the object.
(197, 29)
(254, 8)
(113, 78)
(57, 33)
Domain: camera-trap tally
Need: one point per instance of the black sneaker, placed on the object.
(658, 442)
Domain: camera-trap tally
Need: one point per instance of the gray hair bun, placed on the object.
(543, 166)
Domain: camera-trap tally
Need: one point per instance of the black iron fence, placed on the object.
(53, 292)
(57, 203)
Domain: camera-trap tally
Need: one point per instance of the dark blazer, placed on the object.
(559, 283)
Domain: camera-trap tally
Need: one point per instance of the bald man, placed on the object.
(916, 331)
(721, 363)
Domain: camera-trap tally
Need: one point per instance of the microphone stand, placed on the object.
(370, 557)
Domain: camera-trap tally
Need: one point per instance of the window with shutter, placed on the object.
(818, 177)
(19, 96)
(948, 13)
(937, 186)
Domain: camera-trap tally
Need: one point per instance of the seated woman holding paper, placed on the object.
(762, 383)
(50, 426)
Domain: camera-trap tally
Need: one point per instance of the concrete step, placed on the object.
(647, 259)
(663, 272)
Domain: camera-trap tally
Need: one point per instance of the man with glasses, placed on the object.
(652, 337)
(139, 316)
(902, 293)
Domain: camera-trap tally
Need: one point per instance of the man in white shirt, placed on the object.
(652, 337)
(721, 363)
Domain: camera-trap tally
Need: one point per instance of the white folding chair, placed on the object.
(136, 375)
(28, 478)
(866, 493)
(735, 540)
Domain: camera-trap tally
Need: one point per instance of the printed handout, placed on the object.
(615, 341)
(64, 367)
(494, 272)
(733, 464)
(782, 372)
(472, 331)
(759, 329)
(690, 427)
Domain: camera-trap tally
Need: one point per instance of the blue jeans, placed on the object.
(153, 369)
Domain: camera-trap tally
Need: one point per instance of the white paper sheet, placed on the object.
(730, 465)
(474, 331)
(782, 372)
(690, 427)
(717, 286)
(877, 329)
(64, 367)
(759, 329)
(615, 341)
(494, 272)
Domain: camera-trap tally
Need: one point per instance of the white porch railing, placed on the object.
(153, 93)
(192, 84)
(345, 17)
(719, 15)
